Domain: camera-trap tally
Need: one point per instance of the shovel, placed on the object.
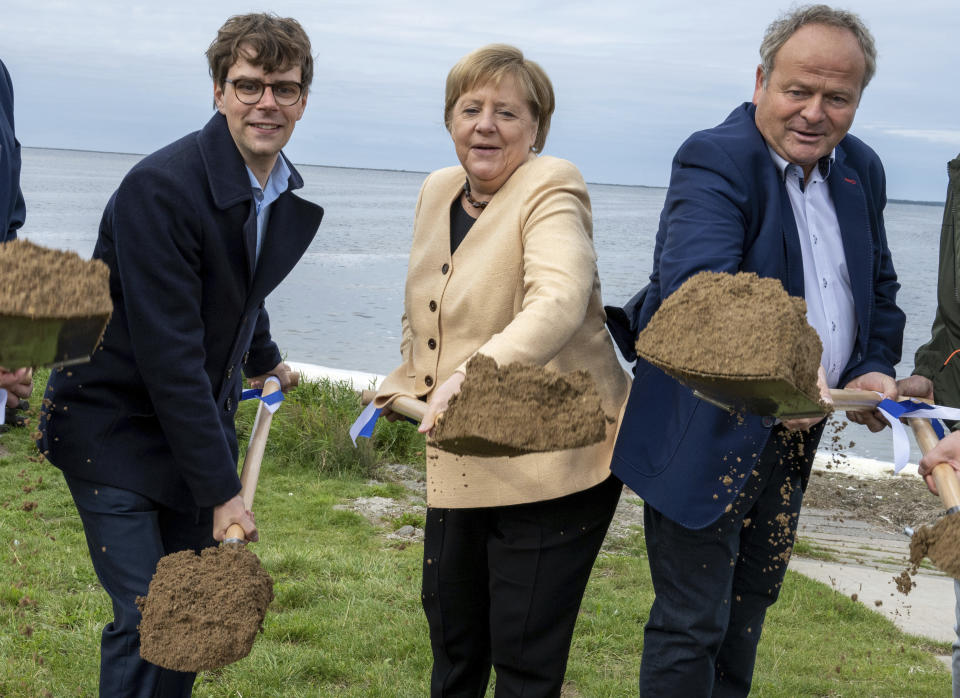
(940, 542)
(50, 342)
(250, 472)
(771, 397)
(943, 475)
(204, 612)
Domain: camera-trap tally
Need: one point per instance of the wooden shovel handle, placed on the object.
(945, 476)
(250, 472)
(853, 400)
(407, 406)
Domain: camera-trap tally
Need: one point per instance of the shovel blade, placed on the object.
(51, 342)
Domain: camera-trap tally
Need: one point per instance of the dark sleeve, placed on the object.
(159, 248)
(263, 353)
(12, 204)
(703, 225)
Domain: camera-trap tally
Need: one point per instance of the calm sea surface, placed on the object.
(341, 305)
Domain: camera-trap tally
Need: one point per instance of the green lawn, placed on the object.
(347, 621)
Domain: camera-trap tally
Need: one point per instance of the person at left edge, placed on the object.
(196, 236)
(16, 383)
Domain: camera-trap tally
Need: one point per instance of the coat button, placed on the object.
(433, 306)
(445, 268)
(229, 372)
(228, 405)
(246, 357)
(432, 343)
(428, 380)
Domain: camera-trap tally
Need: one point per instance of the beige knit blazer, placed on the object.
(522, 286)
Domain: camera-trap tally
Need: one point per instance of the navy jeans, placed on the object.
(713, 585)
(502, 587)
(127, 534)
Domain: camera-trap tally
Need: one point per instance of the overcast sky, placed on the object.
(633, 77)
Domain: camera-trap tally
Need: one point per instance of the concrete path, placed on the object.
(864, 561)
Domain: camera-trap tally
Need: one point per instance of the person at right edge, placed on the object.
(936, 373)
(779, 189)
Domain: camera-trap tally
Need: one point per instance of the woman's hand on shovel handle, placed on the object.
(878, 383)
(439, 401)
(231, 512)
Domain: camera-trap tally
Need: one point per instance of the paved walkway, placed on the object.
(865, 561)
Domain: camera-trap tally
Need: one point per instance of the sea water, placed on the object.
(341, 305)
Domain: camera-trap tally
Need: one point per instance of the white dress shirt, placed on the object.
(826, 279)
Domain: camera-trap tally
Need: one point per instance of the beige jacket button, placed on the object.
(432, 343)
(428, 380)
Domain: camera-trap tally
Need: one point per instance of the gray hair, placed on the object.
(787, 25)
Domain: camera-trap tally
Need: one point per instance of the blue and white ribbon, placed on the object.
(894, 411)
(271, 402)
(3, 404)
(365, 423)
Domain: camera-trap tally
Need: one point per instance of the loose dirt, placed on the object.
(516, 408)
(889, 503)
(203, 611)
(51, 283)
(940, 543)
(734, 326)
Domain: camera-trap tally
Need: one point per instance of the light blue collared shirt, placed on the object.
(277, 183)
(826, 279)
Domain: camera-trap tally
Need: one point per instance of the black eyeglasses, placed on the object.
(249, 91)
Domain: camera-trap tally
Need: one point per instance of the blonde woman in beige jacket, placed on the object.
(502, 264)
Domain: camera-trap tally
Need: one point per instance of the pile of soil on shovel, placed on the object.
(52, 283)
(737, 326)
(203, 612)
(517, 408)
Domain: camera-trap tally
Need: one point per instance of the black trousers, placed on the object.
(502, 587)
(713, 585)
(127, 534)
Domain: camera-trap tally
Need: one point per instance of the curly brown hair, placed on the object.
(266, 40)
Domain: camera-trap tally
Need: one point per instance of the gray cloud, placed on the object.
(633, 77)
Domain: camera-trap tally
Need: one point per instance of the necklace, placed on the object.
(473, 202)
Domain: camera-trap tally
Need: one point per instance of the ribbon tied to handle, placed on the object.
(894, 411)
(271, 402)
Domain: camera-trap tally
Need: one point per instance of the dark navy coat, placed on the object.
(12, 209)
(153, 411)
(727, 210)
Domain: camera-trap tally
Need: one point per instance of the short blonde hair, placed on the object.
(491, 64)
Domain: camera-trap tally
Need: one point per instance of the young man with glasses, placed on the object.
(196, 236)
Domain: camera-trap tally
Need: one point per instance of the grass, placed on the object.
(347, 620)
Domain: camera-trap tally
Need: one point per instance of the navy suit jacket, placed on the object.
(12, 209)
(727, 210)
(153, 411)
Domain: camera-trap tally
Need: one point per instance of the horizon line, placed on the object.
(919, 202)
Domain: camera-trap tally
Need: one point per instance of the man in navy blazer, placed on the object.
(779, 189)
(196, 236)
